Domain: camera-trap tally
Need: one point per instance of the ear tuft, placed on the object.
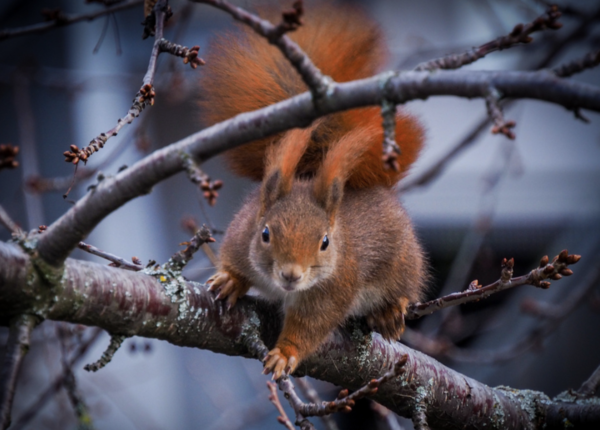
(339, 163)
(281, 162)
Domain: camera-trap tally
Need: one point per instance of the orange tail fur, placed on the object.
(244, 73)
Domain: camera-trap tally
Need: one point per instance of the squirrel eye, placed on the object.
(265, 234)
(325, 243)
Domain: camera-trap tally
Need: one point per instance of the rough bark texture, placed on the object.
(165, 306)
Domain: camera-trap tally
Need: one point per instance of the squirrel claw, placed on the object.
(279, 364)
(227, 287)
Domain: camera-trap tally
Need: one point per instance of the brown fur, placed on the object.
(327, 181)
(244, 73)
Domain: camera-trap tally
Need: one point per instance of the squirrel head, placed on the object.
(297, 242)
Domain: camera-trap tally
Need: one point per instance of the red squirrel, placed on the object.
(325, 234)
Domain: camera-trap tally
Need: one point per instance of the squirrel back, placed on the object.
(244, 73)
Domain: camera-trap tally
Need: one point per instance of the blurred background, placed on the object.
(492, 199)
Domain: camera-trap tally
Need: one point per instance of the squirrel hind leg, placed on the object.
(228, 287)
(389, 320)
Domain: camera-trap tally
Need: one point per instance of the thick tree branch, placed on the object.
(165, 306)
(62, 236)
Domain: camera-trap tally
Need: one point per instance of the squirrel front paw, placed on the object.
(279, 362)
(389, 321)
(228, 287)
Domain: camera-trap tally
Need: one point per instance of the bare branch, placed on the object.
(113, 346)
(197, 176)
(579, 65)
(274, 398)
(143, 98)
(61, 19)
(492, 102)
(117, 261)
(311, 75)
(57, 384)
(16, 348)
(519, 35)
(313, 397)
(189, 55)
(298, 111)
(474, 292)
(186, 314)
(7, 222)
(181, 258)
(391, 150)
(590, 386)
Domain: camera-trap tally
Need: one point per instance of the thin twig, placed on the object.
(391, 150)
(189, 55)
(57, 384)
(143, 98)
(116, 261)
(589, 61)
(474, 292)
(519, 35)
(344, 401)
(113, 346)
(7, 222)
(501, 126)
(63, 19)
(197, 176)
(179, 260)
(70, 384)
(441, 347)
(311, 75)
(590, 386)
(313, 397)
(274, 398)
(16, 348)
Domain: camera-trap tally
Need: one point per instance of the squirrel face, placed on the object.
(294, 247)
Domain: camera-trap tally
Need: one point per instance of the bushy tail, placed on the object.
(244, 73)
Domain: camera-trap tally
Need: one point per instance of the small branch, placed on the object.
(344, 402)
(576, 66)
(16, 348)
(391, 150)
(189, 55)
(70, 384)
(274, 398)
(419, 417)
(519, 35)
(116, 261)
(474, 292)
(589, 387)
(61, 19)
(181, 258)
(113, 346)
(311, 75)
(57, 384)
(143, 98)
(197, 176)
(492, 102)
(8, 153)
(7, 222)
(313, 397)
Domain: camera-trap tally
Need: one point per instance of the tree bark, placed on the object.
(163, 305)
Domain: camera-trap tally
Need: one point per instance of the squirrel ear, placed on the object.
(281, 162)
(338, 164)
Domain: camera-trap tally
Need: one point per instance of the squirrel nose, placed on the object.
(291, 273)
